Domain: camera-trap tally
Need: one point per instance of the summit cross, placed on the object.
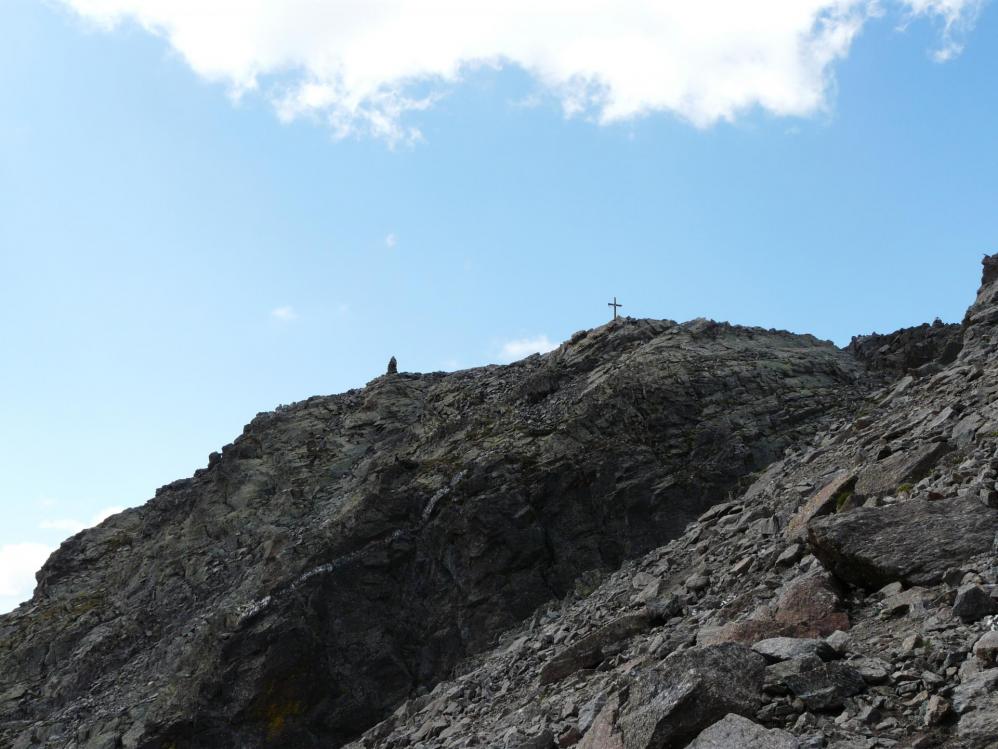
(614, 305)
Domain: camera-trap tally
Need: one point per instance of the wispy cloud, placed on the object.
(521, 347)
(957, 17)
(73, 525)
(284, 314)
(18, 564)
(363, 68)
(390, 241)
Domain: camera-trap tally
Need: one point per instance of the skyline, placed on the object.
(178, 254)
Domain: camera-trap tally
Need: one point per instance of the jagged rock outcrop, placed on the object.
(346, 553)
(909, 564)
(898, 353)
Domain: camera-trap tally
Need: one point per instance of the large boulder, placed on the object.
(808, 606)
(912, 542)
(822, 502)
(588, 651)
(733, 731)
(904, 467)
(669, 705)
(778, 649)
(826, 687)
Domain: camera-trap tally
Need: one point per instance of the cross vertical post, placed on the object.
(614, 305)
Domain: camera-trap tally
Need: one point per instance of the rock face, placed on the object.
(897, 353)
(345, 553)
(580, 549)
(897, 579)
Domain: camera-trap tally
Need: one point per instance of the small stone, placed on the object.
(839, 641)
(891, 589)
(973, 603)
(570, 737)
(787, 648)
(986, 648)
(789, 556)
(827, 687)
(697, 582)
(936, 710)
(543, 740)
(393, 366)
(775, 681)
(869, 715)
(873, 670)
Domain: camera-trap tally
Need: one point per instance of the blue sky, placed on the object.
(186, 241)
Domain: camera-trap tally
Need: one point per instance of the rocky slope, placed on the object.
(347, 553)
(847, 599)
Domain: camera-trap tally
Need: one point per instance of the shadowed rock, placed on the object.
(669, 705)
(588, 651)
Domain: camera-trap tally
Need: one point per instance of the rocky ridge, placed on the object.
(847, 599)
(348, 552)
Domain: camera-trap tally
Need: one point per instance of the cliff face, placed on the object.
(346, 552)
(895, 354)
(847, 599)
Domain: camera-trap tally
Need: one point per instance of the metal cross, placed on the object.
(614, 305)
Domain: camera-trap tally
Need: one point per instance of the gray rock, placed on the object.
(827, 686)
(775, 680)
(913, 542)
(980, 727)
(936, 710)
(896, 353)
(735, 731)
(986, 649)
(671, 704)
(588, 651)
(973, 689)
(839, 641)
(973, 603)
(787, 648)
(822, 502)
(907, 467)
(543, 740)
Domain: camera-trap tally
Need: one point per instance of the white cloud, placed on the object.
(18, 564)
(513, 350)
(958, 18)
(284, 314)
(72, 525)
(363, 66)
(390, 241)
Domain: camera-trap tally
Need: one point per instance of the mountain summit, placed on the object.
(512, 556)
